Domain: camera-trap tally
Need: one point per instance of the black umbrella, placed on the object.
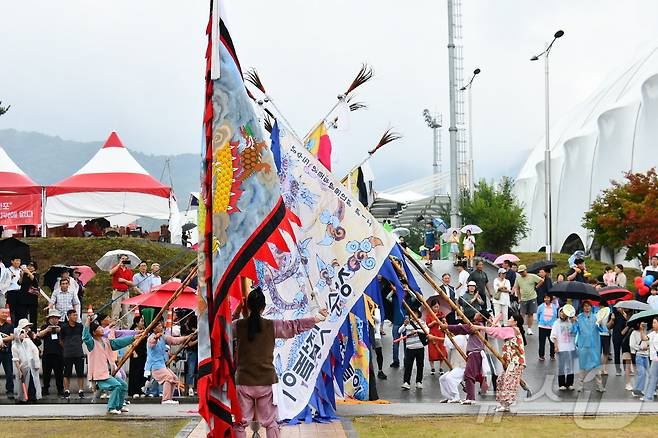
(12, 247)
(574, 289)
(188, 226)
(54, 272)
(542, 264)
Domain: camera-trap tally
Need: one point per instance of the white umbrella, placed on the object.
(111, 258)
(401, 232)
(474, 229)
(632, 305)
(448, 233)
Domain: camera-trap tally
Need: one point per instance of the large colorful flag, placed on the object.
(242, 220)
(340, 248)
(319, 144)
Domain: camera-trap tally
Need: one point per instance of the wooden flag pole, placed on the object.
(139, 338)
(192, 337)
(413, 316)
(427, 307)
(463, 317)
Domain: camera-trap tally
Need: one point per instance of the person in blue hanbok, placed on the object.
(588, 343)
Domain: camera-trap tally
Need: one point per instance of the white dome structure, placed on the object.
(614, 131)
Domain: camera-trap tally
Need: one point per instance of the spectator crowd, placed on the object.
(43, 349)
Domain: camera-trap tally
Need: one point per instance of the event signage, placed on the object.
(20, 210)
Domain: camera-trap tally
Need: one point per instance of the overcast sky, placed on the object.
(80, 69)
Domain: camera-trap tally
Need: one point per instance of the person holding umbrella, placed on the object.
(122, 281)
(27, 302)
(469, 247)
(453, 240)
(640, 348)
(587, 328)
(652, 339)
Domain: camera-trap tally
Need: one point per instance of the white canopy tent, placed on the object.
(115, 186)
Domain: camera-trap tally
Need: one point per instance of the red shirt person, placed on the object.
(122, 277)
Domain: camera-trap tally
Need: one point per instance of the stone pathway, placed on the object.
(333, 430)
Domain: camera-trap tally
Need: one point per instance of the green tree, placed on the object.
(494, 209)
(626, 215)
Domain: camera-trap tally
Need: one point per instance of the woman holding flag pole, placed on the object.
(255, 373)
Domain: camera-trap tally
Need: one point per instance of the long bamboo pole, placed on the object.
(413, 316)
(427, 307)
(139, 338)
(459, 312)
(183, 346)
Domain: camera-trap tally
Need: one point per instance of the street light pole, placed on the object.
(469, 87)
(547, 151)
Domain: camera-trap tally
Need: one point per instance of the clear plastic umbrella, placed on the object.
(111, 258)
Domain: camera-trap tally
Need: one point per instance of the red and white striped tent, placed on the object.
(112, 185)
(20, 197)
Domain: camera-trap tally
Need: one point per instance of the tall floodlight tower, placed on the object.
(454, 165)
(434, 122)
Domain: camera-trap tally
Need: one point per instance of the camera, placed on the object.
(126, 262)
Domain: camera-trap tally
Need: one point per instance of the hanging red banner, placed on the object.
(20, 210)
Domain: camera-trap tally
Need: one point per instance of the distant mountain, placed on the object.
(48, 159)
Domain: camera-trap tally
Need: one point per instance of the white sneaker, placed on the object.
(530, 331)
(405, 385)
(562, 388)
(468, 402)
(190, 392)
(104, 395)
(114, 412)
(629, 387)
(454, 400)
(170, 402)
(419, 385)
(125, 409)
(135, 395)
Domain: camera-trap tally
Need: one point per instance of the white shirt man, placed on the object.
(462, 280)
(155, 272)
(64, 299)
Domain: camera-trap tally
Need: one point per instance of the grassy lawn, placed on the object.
(595, 267)
(508, 427)
(29, 428)
(85, 251)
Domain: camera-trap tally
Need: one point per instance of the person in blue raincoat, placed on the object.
(588, 343)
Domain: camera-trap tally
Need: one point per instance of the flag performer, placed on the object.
(255, 373)
(139, 338)
(401, 273)
(463, 317)
(100, 362)
(156, 354)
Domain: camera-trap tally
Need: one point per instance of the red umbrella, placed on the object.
(86, 273)
(613, 294)
(159, 295)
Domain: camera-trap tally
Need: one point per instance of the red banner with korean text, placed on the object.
(20, 210)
